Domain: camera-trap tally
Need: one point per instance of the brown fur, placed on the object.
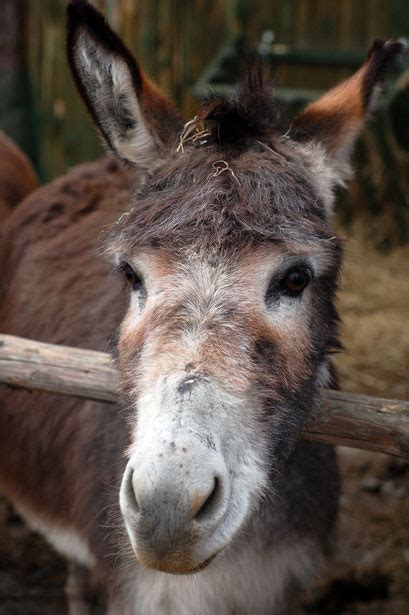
(66, 309)
(17, 176)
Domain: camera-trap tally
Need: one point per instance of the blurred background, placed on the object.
(195, 47)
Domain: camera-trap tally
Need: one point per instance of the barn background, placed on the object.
(191, 48)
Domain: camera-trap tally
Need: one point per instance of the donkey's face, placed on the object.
(232, 269)
(221, 350)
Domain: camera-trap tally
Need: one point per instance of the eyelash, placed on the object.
(131, 275)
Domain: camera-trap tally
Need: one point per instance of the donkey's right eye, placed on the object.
(133, 279)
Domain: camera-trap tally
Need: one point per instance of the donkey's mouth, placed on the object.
(200, 567)
(178, 565)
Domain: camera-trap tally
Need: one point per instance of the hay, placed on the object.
(374, 302)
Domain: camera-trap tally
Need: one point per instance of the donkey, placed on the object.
(197, 494)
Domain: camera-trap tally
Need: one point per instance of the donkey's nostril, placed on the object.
(131, 492)
(210, 502)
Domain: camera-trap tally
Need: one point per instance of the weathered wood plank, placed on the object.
(358, 421)
(58, 369)
(361, 421)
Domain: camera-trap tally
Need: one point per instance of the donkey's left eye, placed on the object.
(132, 277)
(296, 280)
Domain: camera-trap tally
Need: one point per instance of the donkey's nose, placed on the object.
(205, 503)
(169, 504)
(180, 502)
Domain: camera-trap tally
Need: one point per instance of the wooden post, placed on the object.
(358, 421)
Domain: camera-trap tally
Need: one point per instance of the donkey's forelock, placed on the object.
(250, 114)
(200, 199)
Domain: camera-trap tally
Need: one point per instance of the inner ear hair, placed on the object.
(134, 118)
(336, 118)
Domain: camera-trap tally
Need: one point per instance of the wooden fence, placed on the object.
(357, 421)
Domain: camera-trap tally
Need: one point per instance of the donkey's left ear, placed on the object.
(334, 121)
(134, 119)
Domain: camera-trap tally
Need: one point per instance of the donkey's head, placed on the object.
(232, 270)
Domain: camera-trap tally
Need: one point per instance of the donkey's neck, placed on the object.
(245, 582)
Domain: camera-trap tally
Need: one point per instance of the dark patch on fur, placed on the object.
(265, 352)
(251, 113)
(54, 210)
(112, 165)
(91, 206)
(333, 377)
(71, 190)
(188, 384)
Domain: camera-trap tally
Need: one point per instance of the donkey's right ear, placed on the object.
(135, 120)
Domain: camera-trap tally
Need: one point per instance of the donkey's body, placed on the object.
(221, 350)
(51, 236)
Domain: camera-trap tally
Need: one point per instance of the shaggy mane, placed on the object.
(250, 113)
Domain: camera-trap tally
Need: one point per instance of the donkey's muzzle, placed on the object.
(172, 503)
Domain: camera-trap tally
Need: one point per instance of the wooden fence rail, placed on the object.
(358, 421)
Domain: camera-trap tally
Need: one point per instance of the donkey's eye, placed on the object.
(133, 279)
(296, 280)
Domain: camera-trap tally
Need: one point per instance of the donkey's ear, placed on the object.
(335, 120)
(135, 120)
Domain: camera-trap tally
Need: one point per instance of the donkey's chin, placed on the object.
(188, 553)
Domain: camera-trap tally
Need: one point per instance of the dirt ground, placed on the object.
(369, 571)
